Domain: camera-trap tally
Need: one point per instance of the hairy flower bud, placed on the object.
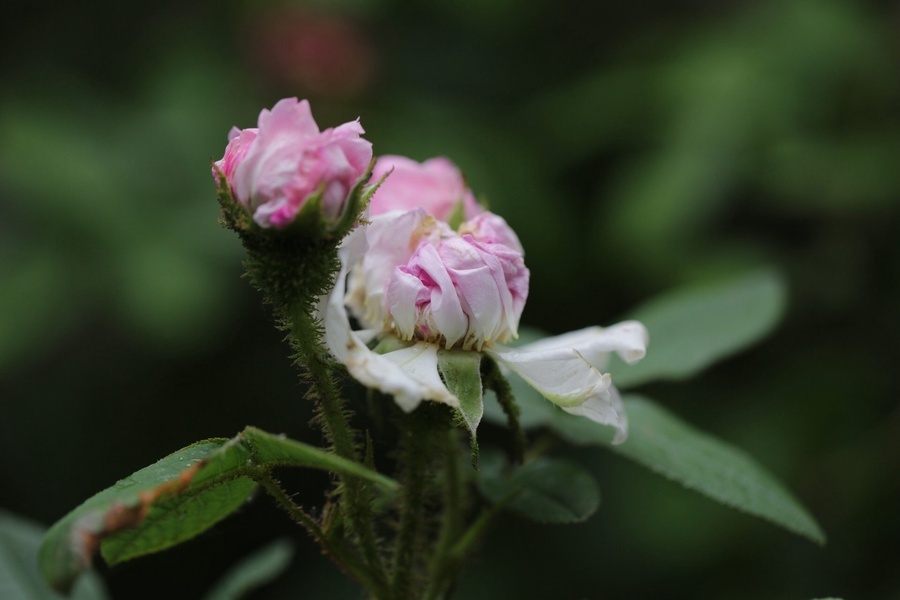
(274, 169)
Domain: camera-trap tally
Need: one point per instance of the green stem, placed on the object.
(473, 535)
(441, 573)
(350, 564)
(312, 357)
(416, 451)
(493, 379)
(333, 417)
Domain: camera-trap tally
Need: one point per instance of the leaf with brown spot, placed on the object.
(176, 499)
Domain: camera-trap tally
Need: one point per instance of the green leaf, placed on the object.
(258, 569)
(19, 576)
(139, 501)
(545, 490)
(692, 328)
(663, 443)
(176, 499)
(176, 519)
(271, 450)
(461, 372)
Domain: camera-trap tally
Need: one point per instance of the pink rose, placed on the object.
(436, 185)
(275, 168)
(426, 282)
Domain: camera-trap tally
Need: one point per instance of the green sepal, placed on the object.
(461, 372)
(234, 215)
(458, 216)
(390, 343)
(357, 202)
(176, 499)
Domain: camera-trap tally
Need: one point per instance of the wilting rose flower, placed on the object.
(435, 185)
(416, 281)
(423, 281)
(275, 168)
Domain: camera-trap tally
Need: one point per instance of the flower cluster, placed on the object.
(429, 273)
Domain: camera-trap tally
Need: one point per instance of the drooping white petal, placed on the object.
(628, 339)
(606, 410)
(564, 369)
(562, 375)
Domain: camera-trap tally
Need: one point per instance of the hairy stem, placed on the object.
(333, 418)
(419, 432)
(442, 573)
(493, 379)
(349, 563)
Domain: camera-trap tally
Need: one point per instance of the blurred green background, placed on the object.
(635, 147)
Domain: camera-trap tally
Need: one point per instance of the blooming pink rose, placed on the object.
(436, 185)
(275, 168)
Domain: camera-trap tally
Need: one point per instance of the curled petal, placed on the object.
(606, 410)
(404, 292)
(489, 228)
(563, 369)
(562, 375)
(628, 339)
(445, 315)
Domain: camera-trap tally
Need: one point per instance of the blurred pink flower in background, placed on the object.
(321, 54)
